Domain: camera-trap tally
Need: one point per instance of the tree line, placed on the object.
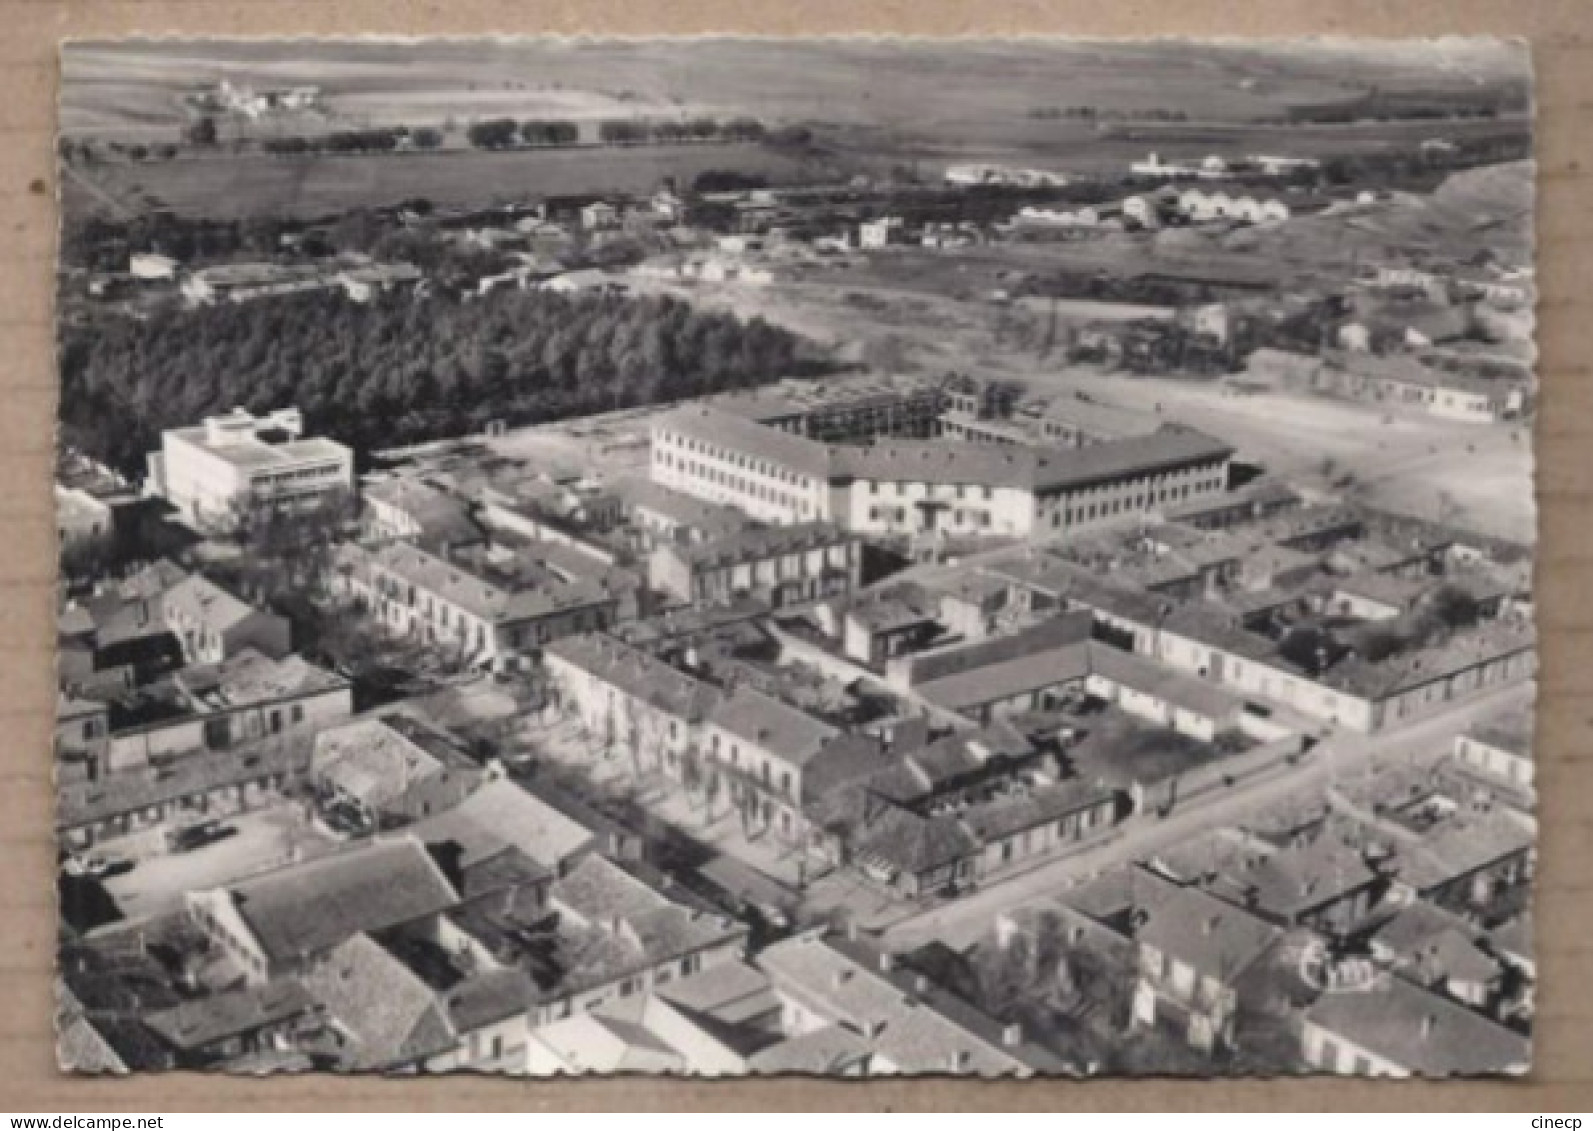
(378, 139)
(506, 133)
(404, 369)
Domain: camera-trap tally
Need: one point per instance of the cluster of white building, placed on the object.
(1213, 167)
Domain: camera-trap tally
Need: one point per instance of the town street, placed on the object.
(961, 922)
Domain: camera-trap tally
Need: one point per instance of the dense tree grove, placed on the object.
(404, 369)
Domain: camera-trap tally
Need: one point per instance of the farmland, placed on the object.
(1083, 148)
(993, 94)
(254, 183)
(921, 110)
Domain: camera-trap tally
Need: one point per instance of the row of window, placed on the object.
(784, 568)
(688, 965)
(742, 485)
(763, 467)
(296, 475)
(763, 773)
(1069, 515)
(903, 488)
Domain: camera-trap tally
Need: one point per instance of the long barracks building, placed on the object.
(896, 486)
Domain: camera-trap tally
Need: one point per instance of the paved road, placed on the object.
(959, 923)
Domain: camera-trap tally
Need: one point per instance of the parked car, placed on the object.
(190, 837)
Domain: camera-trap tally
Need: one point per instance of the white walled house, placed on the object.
(228, 463)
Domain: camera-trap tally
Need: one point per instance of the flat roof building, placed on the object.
(216, 470)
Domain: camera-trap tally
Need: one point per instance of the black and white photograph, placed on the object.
(836, 557)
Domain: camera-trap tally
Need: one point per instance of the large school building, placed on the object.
(909, 486)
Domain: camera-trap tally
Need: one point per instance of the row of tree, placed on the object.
(404, 370)
(379, 139)
(506, 133)
(1096, 114)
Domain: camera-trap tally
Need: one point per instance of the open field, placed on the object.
(128, 89)
(926, 108)
(1081, 148)
(983, 90)
(255, 184)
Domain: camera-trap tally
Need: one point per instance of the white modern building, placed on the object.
(226, 464)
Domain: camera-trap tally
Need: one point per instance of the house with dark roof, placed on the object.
(80, 1047)
(847, 1005)
(113, 642)
(214, 625)
(1468, 861)
(1442, 952)
(911, 854)
(666, 516)
(781, 565)
(1402, 380)
(710, 1024)
(382, 1016)
(1193, 951)
(408, 507)
(501, 814)
(81, 724)
(1396, 1028)
(283, 921)
(222, 1027)
(244, 699)
(1259, 499)
(621, 692)
(1002, 675)
(485, 610)
(599, 933)
(764, 747)
(1019, 826)
(391, 770)
(213, 783)
(1499, 751)
(877, 626)
(1324, 884)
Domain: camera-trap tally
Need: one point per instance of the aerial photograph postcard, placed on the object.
(838, 557)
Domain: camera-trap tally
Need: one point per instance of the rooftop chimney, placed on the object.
(1428, 1021)
(887, 962)
(1012, 1035)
